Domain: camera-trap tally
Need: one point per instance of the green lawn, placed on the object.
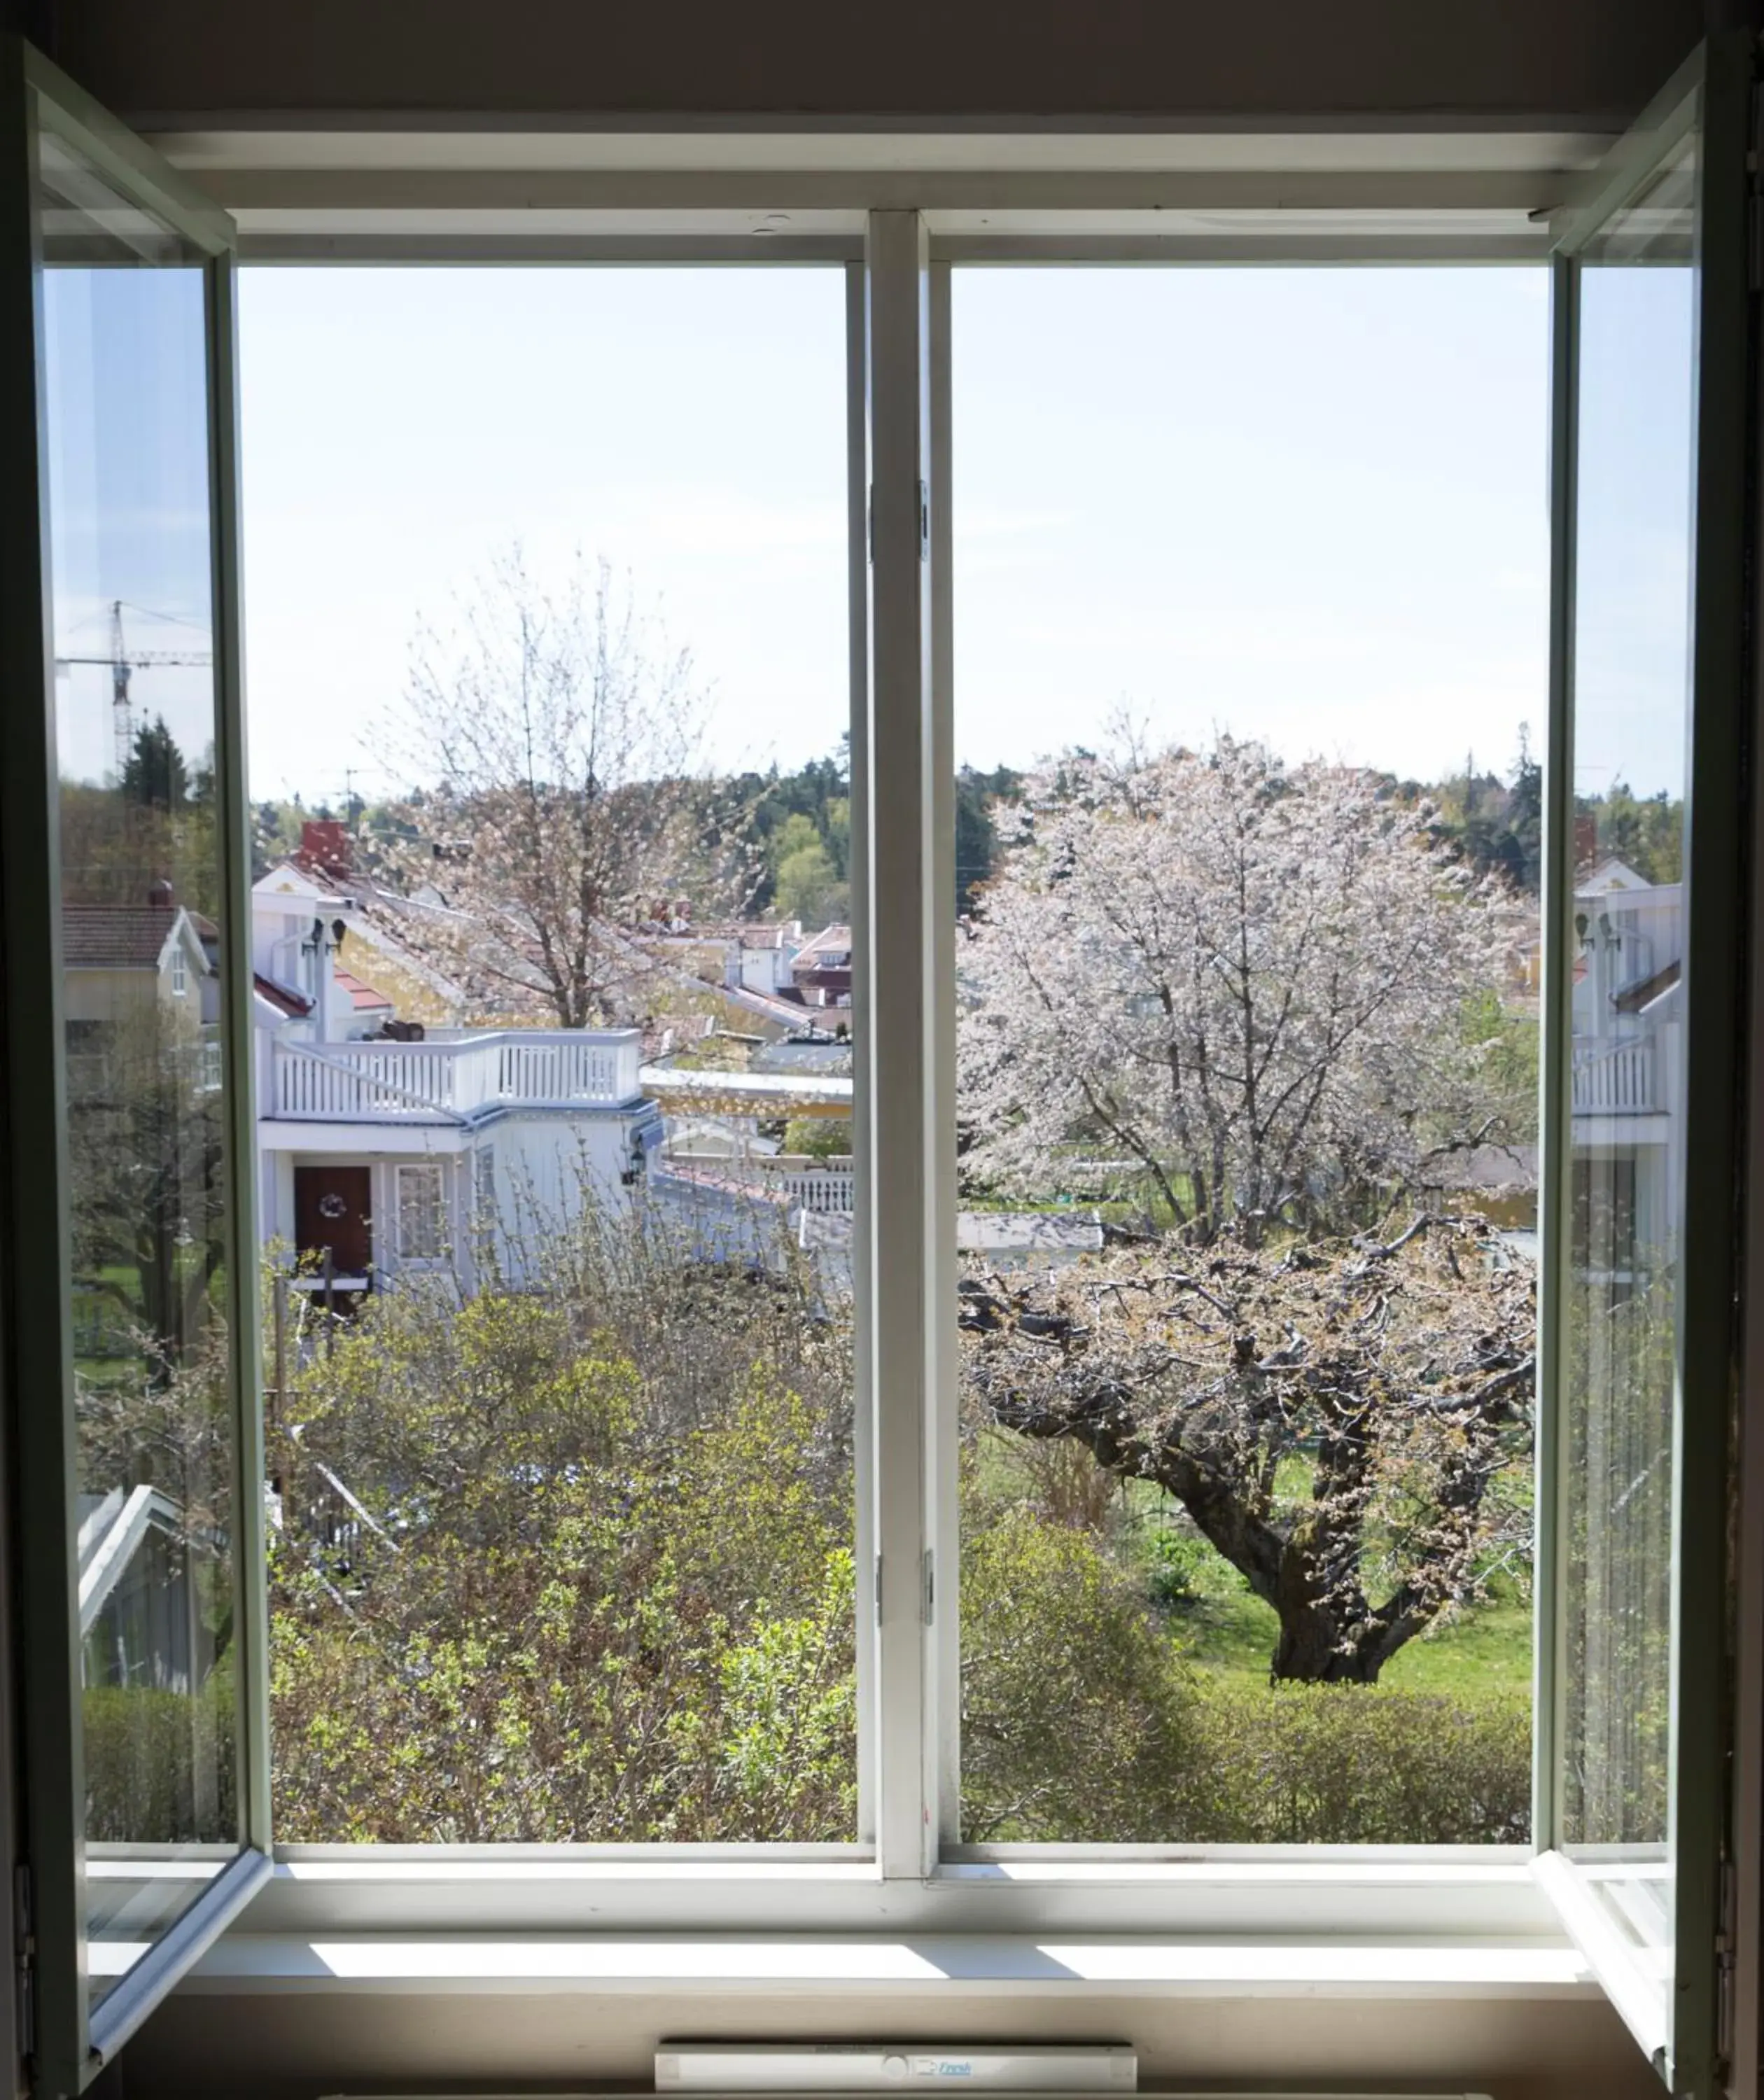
(1228, 1632)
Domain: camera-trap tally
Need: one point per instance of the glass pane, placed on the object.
(1624, 1201)
(547, 609)
(123, 353)
(1250, 660)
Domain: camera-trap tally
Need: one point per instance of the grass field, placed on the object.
(1486, 1648)
(1211, 1614)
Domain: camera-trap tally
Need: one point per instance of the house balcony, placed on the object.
(1618, 1080)
(457, 1083)
(793, 1181)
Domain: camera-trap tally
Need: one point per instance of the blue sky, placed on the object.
(127, 387)
(1305, 505)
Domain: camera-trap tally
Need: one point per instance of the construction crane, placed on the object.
(123, 663)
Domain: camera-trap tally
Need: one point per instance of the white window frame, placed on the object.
(437, 1208)
(1460, 1913)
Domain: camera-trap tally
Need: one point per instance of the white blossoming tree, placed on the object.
(570, 807)
(1255, 980)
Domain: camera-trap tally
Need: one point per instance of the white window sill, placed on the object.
(1354, 1925)
(965, 1964)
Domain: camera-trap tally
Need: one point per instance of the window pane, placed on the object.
(421, 1222)
(1250, 667)
(547, 610)
(1631, 725)
(125, 359)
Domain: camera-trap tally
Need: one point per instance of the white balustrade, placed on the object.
(453, 1082)
(1617, 1081)
(828, 1188)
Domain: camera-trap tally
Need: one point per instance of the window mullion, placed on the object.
(863, 1328)
(904, 924)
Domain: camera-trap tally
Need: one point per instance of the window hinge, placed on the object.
(1724, 1940)
(924, 522)
(928, 1602)
(24, 1961)
(879, 1589)
(869, 523)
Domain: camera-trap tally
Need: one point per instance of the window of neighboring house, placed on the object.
(421, 1213)
(484, 1206)
(180, 978)
(1251, 684)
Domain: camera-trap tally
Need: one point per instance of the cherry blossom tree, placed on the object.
(569, 808)
(1253, 980)
(1336, 1419)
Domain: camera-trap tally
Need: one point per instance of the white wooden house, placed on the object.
(1627, 1139)
(457, 1152)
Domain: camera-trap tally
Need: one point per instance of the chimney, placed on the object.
(324, 843)
(160, 896)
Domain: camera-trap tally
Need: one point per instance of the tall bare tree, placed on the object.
(569, 804)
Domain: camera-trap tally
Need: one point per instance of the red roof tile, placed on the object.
(114, 937)
(363, 996)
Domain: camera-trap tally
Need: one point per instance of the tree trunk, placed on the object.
(1315, 1645)
(1310, 1651)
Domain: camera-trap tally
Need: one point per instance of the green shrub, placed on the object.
(145, 1752)
(1183, 1568)
(1355, 1764)
(1082, 1724)
(1079, 1720)
(818, 1137)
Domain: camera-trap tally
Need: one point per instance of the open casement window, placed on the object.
(1643, 1015)
(130, 1315)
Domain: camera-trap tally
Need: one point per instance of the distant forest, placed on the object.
(799, 828)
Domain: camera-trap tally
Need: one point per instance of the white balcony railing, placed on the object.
(793, 1182)
(1617, 1081)
(455, 1081)
(829, 1189)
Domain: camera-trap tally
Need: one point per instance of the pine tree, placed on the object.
(156, 776)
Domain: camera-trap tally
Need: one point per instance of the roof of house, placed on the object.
(830, 940)
(769, 936)
(287, 1002)
(296, 886)
(1027, 1232)
(117, 937)
(1635, 998)
(363, 997)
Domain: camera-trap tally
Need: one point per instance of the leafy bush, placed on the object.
(160, 1768)
(606, 1592)
(818, 1137)
(1080, 1721)
(1181, 1566)
(1083, 1724)
(1353, 1764)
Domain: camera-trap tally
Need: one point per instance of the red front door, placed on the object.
(333, 1208)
